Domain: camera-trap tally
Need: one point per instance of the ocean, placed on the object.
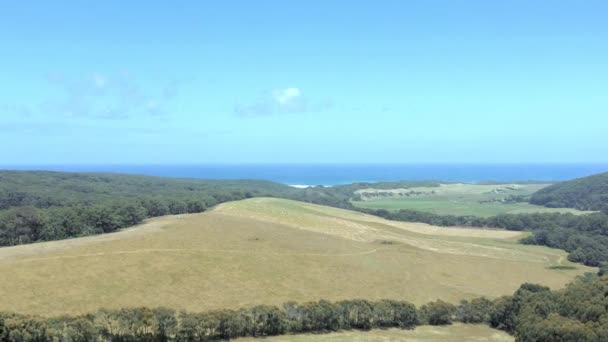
(333, 174)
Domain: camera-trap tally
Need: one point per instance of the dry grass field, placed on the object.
(427, 333)
(270, 251)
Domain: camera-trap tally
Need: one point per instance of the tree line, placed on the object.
(163, 324)
(30, 224)
(578, 313)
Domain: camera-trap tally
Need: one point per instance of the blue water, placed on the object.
(330, 174)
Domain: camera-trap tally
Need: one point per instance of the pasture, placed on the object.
(270, 251)
(427, 333)
(459, 199)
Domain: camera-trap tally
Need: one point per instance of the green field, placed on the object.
(458, 199)
(270, 251)
(452, 333)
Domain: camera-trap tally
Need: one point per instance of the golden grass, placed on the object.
(452, 333)
(269, 251)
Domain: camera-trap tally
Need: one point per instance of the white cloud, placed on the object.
(287, 96)
(99, 81)
(281, 101)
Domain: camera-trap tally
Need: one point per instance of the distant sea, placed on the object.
(333, 174)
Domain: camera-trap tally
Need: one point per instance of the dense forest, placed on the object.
(533, 313)
(587, 193)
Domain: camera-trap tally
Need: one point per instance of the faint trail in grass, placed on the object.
(180, 250)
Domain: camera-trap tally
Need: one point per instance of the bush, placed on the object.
(437, 313)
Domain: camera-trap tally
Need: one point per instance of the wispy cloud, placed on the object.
(281, 101)
(107, 97)
(20, 110)
(98, 96)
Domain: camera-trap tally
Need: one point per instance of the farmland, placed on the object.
(459, 199)
(270, 251)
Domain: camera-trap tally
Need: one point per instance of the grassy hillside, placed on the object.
(271, 251)
(452, 333)
(587, 193)
(459, 199)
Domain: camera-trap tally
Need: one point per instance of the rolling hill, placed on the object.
(270, 251)
(587, 193)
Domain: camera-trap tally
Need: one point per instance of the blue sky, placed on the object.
(312, 81)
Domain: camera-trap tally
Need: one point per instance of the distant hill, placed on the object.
(44, 189)
(587, 193)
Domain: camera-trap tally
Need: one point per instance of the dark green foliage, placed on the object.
(358, 314)
(505, 311)
(437, 313)
(535, 313)
(162, 324)
(16, 328)
(577, 313)
(4, 332)
(391, 313)
(587, 193)
(478, 310)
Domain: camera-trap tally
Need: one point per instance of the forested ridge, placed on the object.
(578, 313)
(587, 193)
(44, 205)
